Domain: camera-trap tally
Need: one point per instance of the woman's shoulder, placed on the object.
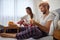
(25, 16)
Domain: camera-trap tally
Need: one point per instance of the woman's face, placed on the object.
(28, 11)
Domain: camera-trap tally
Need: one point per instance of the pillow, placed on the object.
(54, 23)
(1, 27)
(59, 24)
(58, 11)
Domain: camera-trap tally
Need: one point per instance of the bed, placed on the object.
(44, 38)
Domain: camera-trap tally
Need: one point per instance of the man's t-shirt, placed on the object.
(43, 20)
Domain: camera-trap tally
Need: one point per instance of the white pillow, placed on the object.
(51, 29)
(59, 24)
(54, 24)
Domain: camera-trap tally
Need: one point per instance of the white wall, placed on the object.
(54, 4)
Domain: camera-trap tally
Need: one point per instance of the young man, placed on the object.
(43, 25)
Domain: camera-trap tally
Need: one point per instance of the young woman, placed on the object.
(25, 20)
(43, 26)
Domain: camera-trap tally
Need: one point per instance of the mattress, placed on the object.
(44, 38)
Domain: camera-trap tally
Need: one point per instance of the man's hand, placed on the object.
(33, 21)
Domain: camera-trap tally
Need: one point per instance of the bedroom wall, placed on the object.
(54, 4)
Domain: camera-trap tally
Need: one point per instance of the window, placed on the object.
(13, 9)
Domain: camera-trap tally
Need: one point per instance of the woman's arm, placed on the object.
(24, 17)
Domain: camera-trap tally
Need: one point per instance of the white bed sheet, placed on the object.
(44, 38)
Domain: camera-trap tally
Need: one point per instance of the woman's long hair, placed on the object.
(31, 14)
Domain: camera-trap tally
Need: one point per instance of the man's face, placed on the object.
(42, 8)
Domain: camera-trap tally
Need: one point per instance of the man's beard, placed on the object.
(44, 12)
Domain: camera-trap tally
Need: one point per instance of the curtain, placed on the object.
(13, 10)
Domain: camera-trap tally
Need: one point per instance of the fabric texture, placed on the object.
(33, 32)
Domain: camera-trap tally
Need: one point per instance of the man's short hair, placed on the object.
(44, 4)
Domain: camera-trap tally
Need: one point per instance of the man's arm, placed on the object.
(45, 28)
